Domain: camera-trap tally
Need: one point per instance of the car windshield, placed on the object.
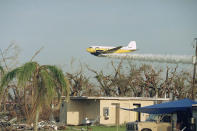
(161, 118)
(152, 117)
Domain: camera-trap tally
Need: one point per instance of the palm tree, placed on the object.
(1, 69)
(1, 75)
(47, 82)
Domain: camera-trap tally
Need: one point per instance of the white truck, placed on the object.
(153, 123)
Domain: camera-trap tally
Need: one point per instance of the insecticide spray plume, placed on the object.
(175, 59)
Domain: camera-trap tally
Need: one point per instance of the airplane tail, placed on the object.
(132, 45)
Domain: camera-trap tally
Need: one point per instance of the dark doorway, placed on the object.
(138, 116)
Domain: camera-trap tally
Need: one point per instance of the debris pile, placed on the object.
(43, 125)
(10, 122)
(47, 125)
(4, 124)
(22, 127)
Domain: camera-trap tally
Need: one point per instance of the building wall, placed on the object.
(119, 116)
(112, 112)
(78, 110)
(74, 111)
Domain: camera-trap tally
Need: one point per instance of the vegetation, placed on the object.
(30, 87)
(138, 81)
(43, 82)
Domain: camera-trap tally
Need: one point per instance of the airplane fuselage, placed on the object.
(99, 50)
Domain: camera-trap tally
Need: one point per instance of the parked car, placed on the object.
(153, 123)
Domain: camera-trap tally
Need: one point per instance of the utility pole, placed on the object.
(194, 72)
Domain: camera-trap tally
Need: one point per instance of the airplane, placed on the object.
(103, 50)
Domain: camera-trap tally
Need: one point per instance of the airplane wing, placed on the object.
(111, 50)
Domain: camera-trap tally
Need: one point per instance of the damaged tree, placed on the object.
(143, 81)
(46, 81)
(80, 84)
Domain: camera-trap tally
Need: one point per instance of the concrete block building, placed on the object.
(104, 110)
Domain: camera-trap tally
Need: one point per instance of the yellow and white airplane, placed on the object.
(102, 50)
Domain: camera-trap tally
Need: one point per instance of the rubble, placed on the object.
(42, 125)
(4, 124)
(10, 123)
(47, 125)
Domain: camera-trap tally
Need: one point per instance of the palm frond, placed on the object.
(7, 78)
(57, 74)
(27, 72)
(46, 87)
(68, 88)
(59, 78)
(10, 76)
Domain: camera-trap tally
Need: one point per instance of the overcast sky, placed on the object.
(65, 28)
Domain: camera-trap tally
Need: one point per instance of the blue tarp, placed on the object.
(167, 107)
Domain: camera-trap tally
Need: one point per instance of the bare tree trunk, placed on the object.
(36, 120)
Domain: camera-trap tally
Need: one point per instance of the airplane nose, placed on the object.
(89, 50)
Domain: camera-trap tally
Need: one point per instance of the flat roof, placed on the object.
(118, 98)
